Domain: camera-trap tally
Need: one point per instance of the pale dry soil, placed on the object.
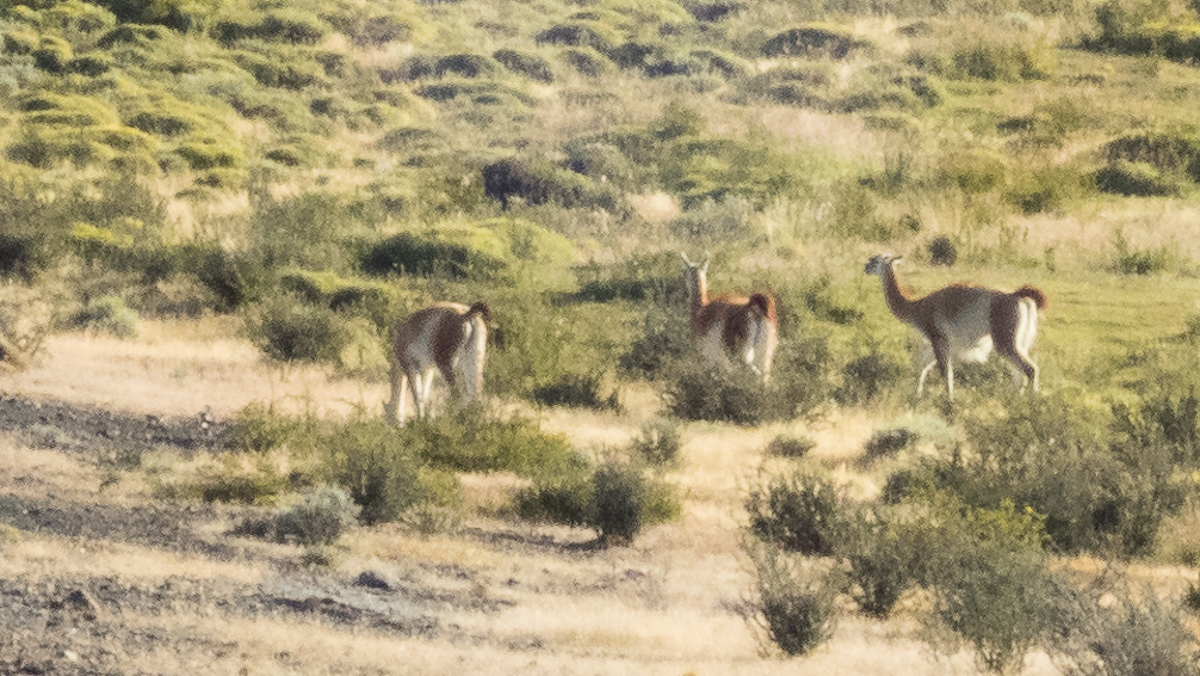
(97, 576)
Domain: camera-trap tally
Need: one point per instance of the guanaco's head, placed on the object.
(881, 263)
(694, 274)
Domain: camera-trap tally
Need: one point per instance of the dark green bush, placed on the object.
(815, 41)
(990, 579)
(288, 330)
(377, 466)
(320, 518)
(565, 499)
(789, 446)
(587, 61)
(577, 391)
(408, 254)
(465, 65)
(579, 34)
(702, 392)
(1168, 153)
(798, 608)
(880, 552)
(181, 15)
(867, 378)
(942, 251)
(1136, 179)
(1097, 486)
(108, 314)
(231, 278)
(540, 182)
(658, 442)
(618, 498)
(885, 443)
(797, 512)
(258, 429)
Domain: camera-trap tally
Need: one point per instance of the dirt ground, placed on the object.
(99, 576)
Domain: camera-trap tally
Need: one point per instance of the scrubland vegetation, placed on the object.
(305, 173)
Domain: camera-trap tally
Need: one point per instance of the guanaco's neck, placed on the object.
(897, 302)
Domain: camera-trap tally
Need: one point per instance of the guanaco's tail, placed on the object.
(765, 305)
(480, 308)
(1032, 293)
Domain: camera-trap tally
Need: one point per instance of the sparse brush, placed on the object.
(796, 604)
(320, 518)
(797, 512)
(659, 442)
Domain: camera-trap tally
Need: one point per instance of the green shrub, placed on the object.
(880, 553)
(1098, 487)
(292, 69)
(378, 467)
(108, 314)
(789, 446)
(408, 254)
(258, 429)
(530, 65)
(798, 607)
(867, 378)
(885, 443)
(579, 34)
(942, 251)
(1135, 179)
(467, 440)
(320, 518)
(990, 579)
(797, 512)
(658, 442)
(577, 391)
(288, 330)
(439, 505)
(230, 277)
(619, 494)
(701, 392)
(465, 65)
(181, 15)
(541, 182)
(1169, 153)
(563, 499)
(815, 40)
(1129, 632)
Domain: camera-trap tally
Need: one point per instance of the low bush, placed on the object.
(260, 429)
(797, 607)
(866, 379)
(701, 392)
(880, 553)
(289, 330)
(886, 443)
(618, 499)
(1126, 633)
(465, 65)
(377, 467)
(815, 40)
(1136, 179)
(541, 182)
(108, 314)
(658, 442)
(577, 391)
(580, 34)
(942, 251)
(989, 575)
(408, 254)
(797, 512)
(320, 518)
(790, 446)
